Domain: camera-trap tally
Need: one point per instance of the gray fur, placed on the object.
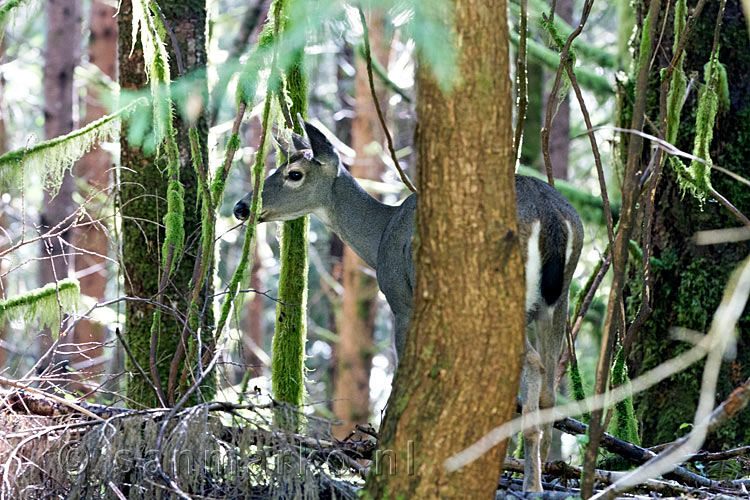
(381, 235)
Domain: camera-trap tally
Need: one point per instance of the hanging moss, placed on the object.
(146, 182)
(56, 156)
(41, 306)
(687, 286)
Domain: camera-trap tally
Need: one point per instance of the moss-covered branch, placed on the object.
(43, 305)
(54, 157)
(288, 361)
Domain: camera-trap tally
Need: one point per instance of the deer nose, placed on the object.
(241, 210)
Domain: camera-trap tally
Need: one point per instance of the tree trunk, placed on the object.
(61, 58)
(688, 280)
(559, 133)
(143, 204)
(458, 378)
(351, 397)
(93, 168)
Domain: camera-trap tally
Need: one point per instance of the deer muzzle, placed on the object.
(241, 210)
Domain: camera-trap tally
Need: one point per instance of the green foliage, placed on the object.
(626, 425)
(56, 156)
(41, 305)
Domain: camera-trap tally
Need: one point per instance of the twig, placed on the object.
(556, 85)
(522, 79)
(389, 139)
(614, 317)
(56, 399)
(562, 469)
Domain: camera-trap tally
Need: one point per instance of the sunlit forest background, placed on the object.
(71, 338)
(339, 101)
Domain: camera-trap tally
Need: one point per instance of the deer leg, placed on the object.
(531, 385)
(550, 355)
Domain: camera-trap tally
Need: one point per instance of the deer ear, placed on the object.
(299, 142)
(321, 147)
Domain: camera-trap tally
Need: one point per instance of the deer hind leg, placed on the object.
(550, 353)
(531, 386)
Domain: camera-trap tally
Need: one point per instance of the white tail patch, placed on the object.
(533, 267)
(569, 244)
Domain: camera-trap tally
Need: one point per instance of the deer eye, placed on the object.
(295, 175)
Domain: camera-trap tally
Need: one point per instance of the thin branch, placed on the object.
(389, 139)
(522, 79)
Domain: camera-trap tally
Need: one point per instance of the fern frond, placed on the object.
(41, 305)
(54, 157)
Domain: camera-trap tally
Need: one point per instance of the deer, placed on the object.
(312, 180)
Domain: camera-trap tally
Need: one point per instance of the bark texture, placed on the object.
(142, 199)
(459, 375)
(351, 396)
(94, 169)
(688, 280)
(61, 58)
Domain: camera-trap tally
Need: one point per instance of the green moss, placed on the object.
(41, 306)
(287, 368)
(56, 156)
(146, 182)
(576, 382)
(626, 425)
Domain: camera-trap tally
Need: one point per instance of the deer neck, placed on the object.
(358, 218)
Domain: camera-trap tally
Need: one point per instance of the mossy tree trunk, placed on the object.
(142, 200)
(288, 363)
(688, 280)
(458, 378)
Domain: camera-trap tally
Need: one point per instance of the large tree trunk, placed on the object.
(458, 378)
(61, 58)
(93, 168)
(351, 397)
(688, 280)
(143, 204)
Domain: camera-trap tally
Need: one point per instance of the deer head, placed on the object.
(302, 184)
